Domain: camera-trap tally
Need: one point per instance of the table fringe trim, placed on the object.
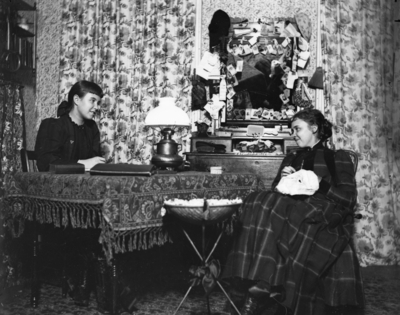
(61, 214)
(140, 239)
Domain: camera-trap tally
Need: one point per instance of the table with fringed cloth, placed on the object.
(127, 209)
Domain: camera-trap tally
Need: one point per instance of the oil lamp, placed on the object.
(166, 117)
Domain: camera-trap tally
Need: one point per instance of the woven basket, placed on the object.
(197, 215)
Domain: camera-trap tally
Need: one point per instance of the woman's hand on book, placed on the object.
(89, 163)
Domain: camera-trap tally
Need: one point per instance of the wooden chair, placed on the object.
(28, 160)
(354, 158)
(29, 164)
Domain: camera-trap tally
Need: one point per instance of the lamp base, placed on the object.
(164, 161)
(165, 172)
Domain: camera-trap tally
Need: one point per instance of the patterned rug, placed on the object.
(152, 303)
(382, 290)
(162, 287)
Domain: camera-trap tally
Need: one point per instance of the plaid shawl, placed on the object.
(290, 241)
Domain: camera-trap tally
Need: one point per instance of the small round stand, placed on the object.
(207, 216)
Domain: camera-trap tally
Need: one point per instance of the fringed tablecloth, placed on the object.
(126, 209)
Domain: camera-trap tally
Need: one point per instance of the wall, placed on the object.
(396, 113)
(28, 95)
(49, 39)
(48, 43)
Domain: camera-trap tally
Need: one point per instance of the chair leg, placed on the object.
(64, 282)
(35, 278)
(104, 292)
(83, 282)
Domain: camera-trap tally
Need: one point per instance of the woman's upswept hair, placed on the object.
(80, 88)
(315, 117)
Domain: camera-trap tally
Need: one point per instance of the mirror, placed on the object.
(267, 53)
(260, 93)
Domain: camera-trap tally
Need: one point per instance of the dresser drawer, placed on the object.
(226, 141)
(266, 167)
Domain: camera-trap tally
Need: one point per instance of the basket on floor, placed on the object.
(196, 214)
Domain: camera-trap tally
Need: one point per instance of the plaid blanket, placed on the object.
(291, 244)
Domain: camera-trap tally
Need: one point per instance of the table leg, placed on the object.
(228, 297)
(114, 284)
(191, 242)
(208, 305)
(203, 241)
(203, 254)
(64, 282)
(183, 300)
(204, 260)
(35, 279)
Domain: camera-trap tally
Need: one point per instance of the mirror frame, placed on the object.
(318, 98)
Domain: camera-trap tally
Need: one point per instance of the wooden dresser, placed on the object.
(265, 166)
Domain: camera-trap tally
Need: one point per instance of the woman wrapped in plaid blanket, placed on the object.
(295, 250)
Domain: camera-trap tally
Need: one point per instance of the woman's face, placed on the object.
(304, 134)
(87, 105)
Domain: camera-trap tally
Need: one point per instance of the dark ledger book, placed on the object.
(123, 169)
(71, 168)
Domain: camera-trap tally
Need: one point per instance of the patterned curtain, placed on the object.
(357, 48)
(12, 139)
(137, 51)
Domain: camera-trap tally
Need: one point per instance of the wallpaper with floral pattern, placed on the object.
(137, 51)
(48, 58)
(395, 134)
(357, 44)
(348, 34)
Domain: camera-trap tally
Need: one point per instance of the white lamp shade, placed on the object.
(167, 114)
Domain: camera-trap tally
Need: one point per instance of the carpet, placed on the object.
(161, 279)
(382, 290)
(157, 302)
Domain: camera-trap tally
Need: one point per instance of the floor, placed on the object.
(158, 279)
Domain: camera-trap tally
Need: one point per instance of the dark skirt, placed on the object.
(285, 242)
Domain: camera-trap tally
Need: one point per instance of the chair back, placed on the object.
(354, 158)
(28, 161)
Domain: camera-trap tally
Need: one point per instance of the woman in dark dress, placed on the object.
(75, 138)
(75, 116)
(295, 249)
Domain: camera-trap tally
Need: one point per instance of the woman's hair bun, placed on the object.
(63, 109)
(326, 131)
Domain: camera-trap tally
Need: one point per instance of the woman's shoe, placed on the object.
(238, 298)
(271, 307)
(250, 306)
(238, 291)
(260, 306)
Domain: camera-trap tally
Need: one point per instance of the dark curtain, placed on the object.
(12, 139)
